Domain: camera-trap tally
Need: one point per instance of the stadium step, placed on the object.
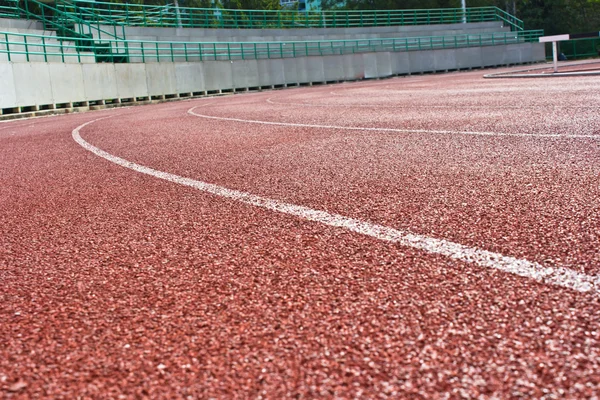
(66, 28)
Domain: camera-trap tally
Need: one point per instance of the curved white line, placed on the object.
(389, 82)
(15, 126)
(559, 276)
(394, 130)
(397, 107)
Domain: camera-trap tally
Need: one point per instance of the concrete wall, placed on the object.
(278, 35)
(31, 85)
(10, 24)
(57, 50)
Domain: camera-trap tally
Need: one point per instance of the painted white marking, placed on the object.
(12, 128)
(470, 107)
(394, 130)
(15, 124)
(559, 276)
(385, 82)
(555, 38)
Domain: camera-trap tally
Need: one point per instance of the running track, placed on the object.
(428, 237)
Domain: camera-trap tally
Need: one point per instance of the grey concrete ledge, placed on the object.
(523, 73)
(30, 88)
(125, 104)
(56, 109)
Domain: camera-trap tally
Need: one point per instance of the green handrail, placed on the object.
(67, 23)
(515, 23)
(577, 49)
(47, 47)
(82, 14)
(10, 11)
(30, 45)
(166, 16)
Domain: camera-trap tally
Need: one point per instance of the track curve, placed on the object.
(118, 283)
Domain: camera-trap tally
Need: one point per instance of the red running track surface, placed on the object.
(117, 283)
(564, 67)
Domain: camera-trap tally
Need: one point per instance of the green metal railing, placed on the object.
(43, 47)
(9, 9)
(579, 48)
(68, 24)
(86, 35)
(510, 20)
(169, 16)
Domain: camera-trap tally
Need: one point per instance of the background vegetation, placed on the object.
(554, 16)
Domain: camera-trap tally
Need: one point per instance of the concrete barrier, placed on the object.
(444, 60)
(271, 72)
(330, 33)
(377, 65)
(295, 70)
(155, 34)
(400, 63)
(315, 71)
(25, 86)
(8, 94)
(218, 76)
(10, 23)
(32, 84)
(470, 57)
(66, 82)
(511, 54)
(190, 78)
(161, 79)
(245, 74)
(131, 80)
(354, 66)
(422, 61)
(535, 52)
(333, 69)
(99, 82)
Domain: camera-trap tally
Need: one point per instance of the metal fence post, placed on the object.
(7, 46)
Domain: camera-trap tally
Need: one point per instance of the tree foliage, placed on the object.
(554, 16)
(230, 4)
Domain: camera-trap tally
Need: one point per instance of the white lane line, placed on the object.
(559, 276)
(14, 126)
(394, 130)
(410, 107)
(385, 83)
(7, 132)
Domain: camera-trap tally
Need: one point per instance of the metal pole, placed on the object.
(463, 4)
(555, 57)
(178, 14)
